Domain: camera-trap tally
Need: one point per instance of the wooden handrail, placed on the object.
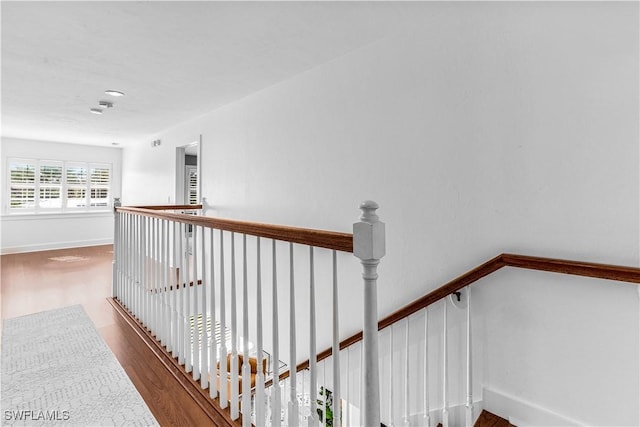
(170, 207)
(577, 268)
(305, 236)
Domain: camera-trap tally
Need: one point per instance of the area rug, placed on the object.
(57, 370)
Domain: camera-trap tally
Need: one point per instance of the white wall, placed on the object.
(29, 232)
(481, 128)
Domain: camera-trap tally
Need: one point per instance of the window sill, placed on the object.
(55, 215)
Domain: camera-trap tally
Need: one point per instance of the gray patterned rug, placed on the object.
(57, 370)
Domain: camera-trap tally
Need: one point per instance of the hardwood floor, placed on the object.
(38, 281)
(487, 419)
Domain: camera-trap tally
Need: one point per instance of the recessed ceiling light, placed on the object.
(114, 92)
(105, 104)
(96, 111)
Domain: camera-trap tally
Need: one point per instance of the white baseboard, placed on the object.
(56, 245)
(523, 413)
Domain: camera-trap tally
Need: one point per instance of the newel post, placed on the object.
(116, 248)
(369, 246)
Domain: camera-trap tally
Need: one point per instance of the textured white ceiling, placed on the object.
(174, 60)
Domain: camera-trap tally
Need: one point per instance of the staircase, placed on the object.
(400, 370)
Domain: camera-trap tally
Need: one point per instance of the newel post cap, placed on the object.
(369, 233)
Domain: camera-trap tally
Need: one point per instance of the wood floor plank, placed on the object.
(38, 281)
(487, 419)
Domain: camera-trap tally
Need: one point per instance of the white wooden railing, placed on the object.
(406, 375)
(182, 276)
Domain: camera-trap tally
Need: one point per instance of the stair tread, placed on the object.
(487, 419)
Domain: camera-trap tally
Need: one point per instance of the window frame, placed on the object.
(64, 186)
(21, 185)
(40, 185)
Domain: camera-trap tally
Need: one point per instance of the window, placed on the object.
(192, 185)
(22, 179)
(57, 186)
(99, 185)
(50, 191)
(76, 186)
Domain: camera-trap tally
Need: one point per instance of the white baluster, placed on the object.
(145, 272)
(246, 366)
(124, 242)
(347, 416)
(294, 417)
(173, 283)
(303, 372)
(369, 247)
(135, 274)
(336, 345)
(469, 405)
(224, 371)
(324, 399)
(391, 366)
(405, 419)
(130, 256)
(167, 285)
(313, 386)
(427, 417)
(361, 387)
(122, 264)
(234, 334)
(159, 273)
(445, 370)
(127, 259)
(213, 351)
(115, 271)
(158, 285)
(275, 405)
(139, 269)
(148, 268)
(141, 272)
(259, 400)
(196, 329)
(127, 240)
(157, 280)
(116, 248)
(160, 282)
(155, 294)
(118, 252)
(181, 286)
(204, 341)
(151, 289)
(188, 305)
